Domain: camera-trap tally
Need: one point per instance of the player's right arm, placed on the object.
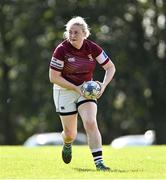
(56, 68)
(56, 78)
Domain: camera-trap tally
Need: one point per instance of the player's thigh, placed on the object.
(69, 122)
(88, 111)
(65, 101)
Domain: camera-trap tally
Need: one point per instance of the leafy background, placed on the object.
(133, 34)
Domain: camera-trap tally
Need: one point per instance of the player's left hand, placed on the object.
(102, 89)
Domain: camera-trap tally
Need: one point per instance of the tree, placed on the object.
(131, 32)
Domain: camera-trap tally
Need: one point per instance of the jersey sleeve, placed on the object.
(99, 54)
(57, 60)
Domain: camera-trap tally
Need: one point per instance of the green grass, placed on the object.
(18, 162)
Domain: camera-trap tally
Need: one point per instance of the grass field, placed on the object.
(18, 162)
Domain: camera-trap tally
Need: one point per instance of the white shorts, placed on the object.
(67, 101)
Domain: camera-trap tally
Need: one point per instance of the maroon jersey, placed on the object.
(77, 65)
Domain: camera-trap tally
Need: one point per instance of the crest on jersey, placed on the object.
(90, 57)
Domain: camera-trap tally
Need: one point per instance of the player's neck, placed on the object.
(77, 45)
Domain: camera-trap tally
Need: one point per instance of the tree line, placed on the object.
(133, 34)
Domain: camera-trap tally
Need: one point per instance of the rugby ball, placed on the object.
(91, 89)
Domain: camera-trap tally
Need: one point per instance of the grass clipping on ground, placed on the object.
(18, 162)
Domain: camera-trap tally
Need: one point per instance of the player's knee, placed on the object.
(70, 135)
(90, 125)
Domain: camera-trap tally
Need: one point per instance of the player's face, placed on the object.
(76, 36)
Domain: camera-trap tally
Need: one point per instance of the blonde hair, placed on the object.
(77, 21)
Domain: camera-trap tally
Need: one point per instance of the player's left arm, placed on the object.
(109, 68)
(102, 58)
